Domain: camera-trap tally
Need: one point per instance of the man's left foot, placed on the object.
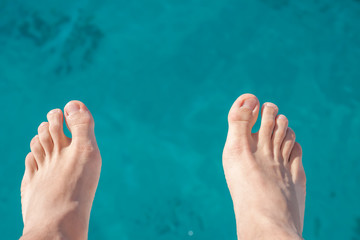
(61, 176)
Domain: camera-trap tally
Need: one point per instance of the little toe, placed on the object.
(30, 170)
(268, 114)
(242, 117)
(298, 178)
(278, 136)
(55, 118)
(37, 150)
(288, 144)
(45, 137)
(79, 121)
(296, 166)
(30, 164)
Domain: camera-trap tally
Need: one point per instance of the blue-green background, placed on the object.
(159, 77)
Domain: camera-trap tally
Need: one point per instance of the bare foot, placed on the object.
(264, 172)
(61, 176)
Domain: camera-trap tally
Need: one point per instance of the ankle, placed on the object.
(53, 234)
(43, 234)
(274, 234)
(265, 229)
(70, 227)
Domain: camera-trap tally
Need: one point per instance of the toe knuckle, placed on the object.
(54, 127)
(269, 123)
(82, 119)
(88, 148)
(291, 133)
(277, 141)
(241, 114)
(298, 147)
(87, 119)
(268, 153)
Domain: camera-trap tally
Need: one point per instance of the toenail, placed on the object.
(43, 124)
(53, 111)
(71, 108)
(282, 117)
(249, 103)
(268, 104)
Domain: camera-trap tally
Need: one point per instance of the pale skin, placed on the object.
(263, 170)
(61, 176)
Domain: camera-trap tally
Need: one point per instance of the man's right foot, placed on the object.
(264, 173)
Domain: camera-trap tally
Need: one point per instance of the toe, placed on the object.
(288, 144)
(279, 134)
(30, 170)
(296, 166)
(55, 118)
(242, 117)
(45, 137)
(299, 178)
(30, 164)
(79, 121)
(268, 114)
(37, 150)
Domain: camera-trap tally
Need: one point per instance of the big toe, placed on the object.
(242, 117)
(79, 121)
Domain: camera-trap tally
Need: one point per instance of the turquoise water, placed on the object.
(159, 77)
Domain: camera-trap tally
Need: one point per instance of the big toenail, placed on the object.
(249, 103)
(71, 108)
